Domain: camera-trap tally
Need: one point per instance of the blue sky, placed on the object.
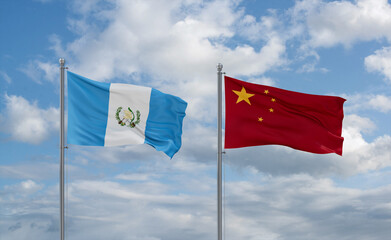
(271, 192)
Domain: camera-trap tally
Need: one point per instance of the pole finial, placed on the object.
(62, 61)
(219, 67)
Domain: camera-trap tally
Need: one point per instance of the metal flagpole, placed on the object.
(62, 147)
(219, 153)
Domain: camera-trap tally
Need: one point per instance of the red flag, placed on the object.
(263, 115)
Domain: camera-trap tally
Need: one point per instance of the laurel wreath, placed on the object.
(132, 123)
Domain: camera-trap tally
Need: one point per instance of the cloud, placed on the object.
(294, 207)
(362, 156)
(301, 207)
(175, 45)
(344, 22)
(380, 62)
(362, 102)
(135, 176)
(178, 48)
(381, 103)
(135, 207)
(311, 67)
(37, 226)
(5, 77)
(43, 1)
(254, 30)
(36, 171)
(39, 71)
(26, 122)
(56, 46)
(170, 212)
(24, 188)
(175, 49)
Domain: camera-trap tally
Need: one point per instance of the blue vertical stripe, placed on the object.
(164, 123)
(88, 105)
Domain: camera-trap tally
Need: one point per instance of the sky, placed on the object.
(339, 48)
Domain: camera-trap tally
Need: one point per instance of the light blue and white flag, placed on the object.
(115, 114)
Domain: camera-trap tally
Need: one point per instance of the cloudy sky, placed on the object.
(338, 48)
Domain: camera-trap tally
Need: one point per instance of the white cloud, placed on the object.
(50, 70)
(311, 67)
(43, 1)
(381, 103)
(26, 122)
(302, 207)
(24, 188)
(319, 23)
(263, 29)
(362, 102)
(5, 76)
(33, 171)
(169, 46)
(344, 22)
(362, 156)
(360, 124)
(39, 71)
(295, 207)
(244, 60)
(180, 51)
(178, 46)
(380, 61)
(135, 176)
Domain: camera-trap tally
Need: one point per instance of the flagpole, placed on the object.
(62, 147)
(219, 153)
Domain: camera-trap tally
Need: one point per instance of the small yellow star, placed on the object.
(273, 100)
(243, 95)
(271, 110)
(266, 91)
(260, 119)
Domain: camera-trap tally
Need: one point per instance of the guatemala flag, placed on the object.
(115, 114)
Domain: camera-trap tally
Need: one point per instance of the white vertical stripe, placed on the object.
(127, 96)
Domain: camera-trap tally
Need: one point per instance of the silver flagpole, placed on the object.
(62, 217)
(219, 153)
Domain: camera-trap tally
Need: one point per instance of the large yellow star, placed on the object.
(243, 95)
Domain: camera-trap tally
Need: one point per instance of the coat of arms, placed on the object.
(126, 117)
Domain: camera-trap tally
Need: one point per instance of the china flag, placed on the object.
(263, 115)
